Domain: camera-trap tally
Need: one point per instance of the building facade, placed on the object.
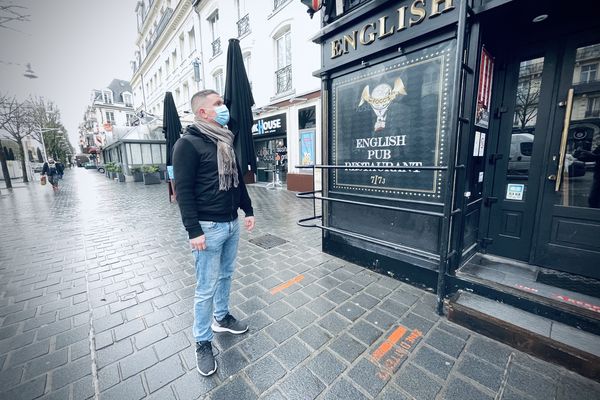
(182, 48)
(109, 107)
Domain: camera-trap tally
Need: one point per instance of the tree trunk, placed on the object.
(5, 170)
(23, 162)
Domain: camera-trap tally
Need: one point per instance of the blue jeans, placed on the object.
(214, 268)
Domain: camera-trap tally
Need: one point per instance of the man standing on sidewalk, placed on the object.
(210, 189)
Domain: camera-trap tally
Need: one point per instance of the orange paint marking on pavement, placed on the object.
(390, 341)
(287, 284)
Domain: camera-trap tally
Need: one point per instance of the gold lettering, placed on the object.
(336, 48)
(417, 10)
(435, 7)
(401, 18)
(350, 41)
(372, 35)
(382, 26)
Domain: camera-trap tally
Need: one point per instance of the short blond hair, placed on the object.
(199, 98)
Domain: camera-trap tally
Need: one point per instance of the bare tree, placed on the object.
(10, 12)
(18, 124)
(3, 162)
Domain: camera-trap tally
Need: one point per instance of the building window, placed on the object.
(192, 41)
(128, 99)
(247, 65)
(213, 22)
(107, 96)
(131, 118)
(277, 4)
(243, 22)
(186, 91)
(593, 107)
(588, 73)
(110, 117)
(283, 73)
(218, 79)
(174, 58)
(167, 65)
(181, 45)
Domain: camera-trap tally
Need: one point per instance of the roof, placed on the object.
(141, 133)
(118, 87)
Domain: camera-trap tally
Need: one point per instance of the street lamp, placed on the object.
(29, 72)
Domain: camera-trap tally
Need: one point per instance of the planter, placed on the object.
(138, 177)
(152, 178)
(121, 176)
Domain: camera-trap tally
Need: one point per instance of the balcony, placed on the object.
(243, 25)
(162, 24)
(279, 3)
(284, 79)
(216, 47)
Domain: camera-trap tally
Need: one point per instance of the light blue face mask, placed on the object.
(222, 117)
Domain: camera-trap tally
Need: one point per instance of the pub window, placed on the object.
(588, 73)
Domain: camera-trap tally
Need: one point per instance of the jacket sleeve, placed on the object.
(45, 169)
(185, 167)
(245, 201)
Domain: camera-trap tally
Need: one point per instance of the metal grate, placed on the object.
(267, 241)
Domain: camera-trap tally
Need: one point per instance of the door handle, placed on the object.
(563, 140)
(552, 177)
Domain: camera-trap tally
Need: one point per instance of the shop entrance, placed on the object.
(271, 160)
(542, 205)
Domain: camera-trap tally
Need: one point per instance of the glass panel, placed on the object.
(146, 154)
(136, 154)
(156, 156)
(523, 131)
(581, 174)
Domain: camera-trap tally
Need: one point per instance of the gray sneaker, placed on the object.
(205, 360)
(229, 324)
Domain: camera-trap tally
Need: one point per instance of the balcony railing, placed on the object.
(284, 79)
(216, 47)
(243, 25)
(159, 29)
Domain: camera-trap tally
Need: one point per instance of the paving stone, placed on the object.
(291, 353)
(313, 290)
(573, 387)
(252, 306)
(281, 330)
(40, 320)
(273, 395)
(139, 311)
(108, 377)
(455, 330)
(10, 377)
(29, 352)
(265, 372)
(171, 345)
(158, 316)
(103, 339)
(365, 332)
(80, 349)
(446, 343)
(46, 363)
(489, 350)
(237, 388)
(131, 389)
(26, 391)
(8, 331)
(433, 361)
(458, 389)
(72, 336)
(320, 306)
(230, 363)
(381, 319)
(481, 371)
(60, 394)
(531, 383)
(166, 393)
(326, 366)
(257, 345)
(278, 310)
(149, 336)
(336, 295)
(301, 317)
(365, 300)
(413, 321)
(417, 383)
(108, 322)
(391, 393)
(71, 372)
(192, 386)
(83, 389)
(334, 323)
(297, 299)
(315, 336)
(113, 353)
(161, 374)
(346, 347)
(350, 310)
(301, 384)
(343, 389)
(137, 362)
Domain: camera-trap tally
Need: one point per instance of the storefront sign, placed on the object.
(307, 147)
(403, 16)
(394, 114)
(274, 125)
(514, 191)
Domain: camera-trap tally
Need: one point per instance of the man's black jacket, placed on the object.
(197, 184)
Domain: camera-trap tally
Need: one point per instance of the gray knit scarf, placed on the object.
(228, 174)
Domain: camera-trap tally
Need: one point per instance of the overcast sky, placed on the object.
(73, 46)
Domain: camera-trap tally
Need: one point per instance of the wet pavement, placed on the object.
(96, 292)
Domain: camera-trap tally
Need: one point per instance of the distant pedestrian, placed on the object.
(210, 189)
(54, 172)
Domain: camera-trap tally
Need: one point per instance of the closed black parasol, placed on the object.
(172, 131)
(239, 100)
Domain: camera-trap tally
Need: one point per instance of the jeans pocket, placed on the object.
(206, 225)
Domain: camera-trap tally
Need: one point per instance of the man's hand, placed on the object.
(198, 243)
(249, 223)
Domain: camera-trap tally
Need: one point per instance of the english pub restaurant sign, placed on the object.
(391, 23)
(394, 114)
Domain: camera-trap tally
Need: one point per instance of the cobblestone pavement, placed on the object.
(96, 290)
